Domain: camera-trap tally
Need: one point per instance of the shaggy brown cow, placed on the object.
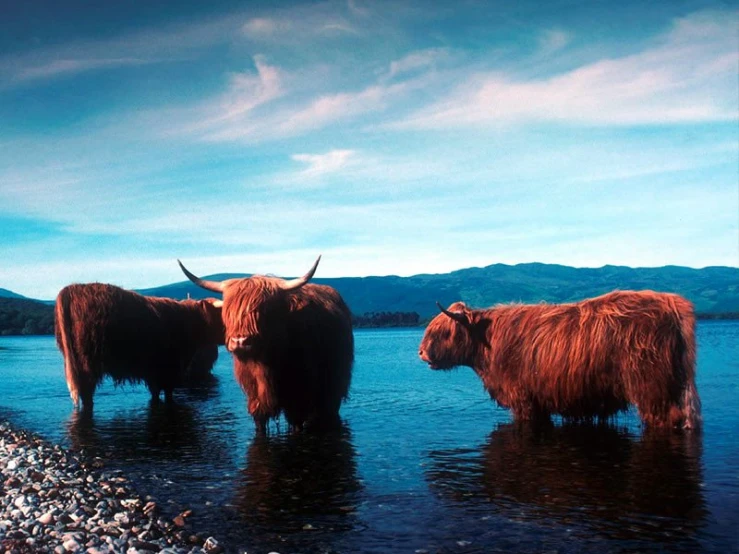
(588, 359)
(106, 330)
(293, 346)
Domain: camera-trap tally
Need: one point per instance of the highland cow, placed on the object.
(106, 330)
(292, 344)
(584, 360)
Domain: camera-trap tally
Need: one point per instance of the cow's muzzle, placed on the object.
(239, 345)
(425, 357)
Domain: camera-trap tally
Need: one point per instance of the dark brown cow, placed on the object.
(106, 330)
(589, 359)
(293, 346)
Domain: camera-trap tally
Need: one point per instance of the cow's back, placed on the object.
(319, 315)
(320, 350)
(587, 358)
(113, 330)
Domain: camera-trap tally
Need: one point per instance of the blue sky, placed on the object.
(391, 137)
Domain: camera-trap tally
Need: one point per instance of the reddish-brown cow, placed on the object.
(588, 359)
(106, 330)
(293, 346)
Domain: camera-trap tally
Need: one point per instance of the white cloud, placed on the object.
(552, 41)
(71, 66)
(357, 9)
(246, 92)
(417, 60)
(316, 113)
(321, 164)
(298, 25)
(264, 26)
(689, 77)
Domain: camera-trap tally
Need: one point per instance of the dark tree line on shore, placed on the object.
(20, 316)
(28, 317)
(386, 319)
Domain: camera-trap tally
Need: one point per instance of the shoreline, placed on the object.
(57, 500)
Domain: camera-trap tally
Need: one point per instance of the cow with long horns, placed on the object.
(583, 360)
(292, 344)
(105, 330)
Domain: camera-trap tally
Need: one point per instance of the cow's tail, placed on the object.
(62, 327)
(690, 401)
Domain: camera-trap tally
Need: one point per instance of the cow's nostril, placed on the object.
(237, 342)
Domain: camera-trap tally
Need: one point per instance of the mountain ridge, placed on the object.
(713, 289)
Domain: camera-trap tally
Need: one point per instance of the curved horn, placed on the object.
(293, 284)
(215, 286)
(456, 316)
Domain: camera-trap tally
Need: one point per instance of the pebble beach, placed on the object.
(57, 501)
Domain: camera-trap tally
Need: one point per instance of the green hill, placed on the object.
(713, 290)
(21, 316)
(5, 293)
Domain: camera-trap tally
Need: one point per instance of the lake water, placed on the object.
(425, 461)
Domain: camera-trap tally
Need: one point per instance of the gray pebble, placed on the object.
(72, 545)
(52, 504)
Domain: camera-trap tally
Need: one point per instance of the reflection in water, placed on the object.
(164, 430)
(589, 478)
(303, 485)
(201, 387)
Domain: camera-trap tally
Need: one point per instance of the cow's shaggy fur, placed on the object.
(293, 349)
(105, 330)
(588, 359)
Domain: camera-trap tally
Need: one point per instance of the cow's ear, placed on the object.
(479, 325)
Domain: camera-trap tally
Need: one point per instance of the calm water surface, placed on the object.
(424, 462)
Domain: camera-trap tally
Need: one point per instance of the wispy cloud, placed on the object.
(414, 61)
(321, 164)
(141, 47)
(246, 91)
(689, 77)
(72, 66)
(316, 113)
(301, 24)
(552, 41)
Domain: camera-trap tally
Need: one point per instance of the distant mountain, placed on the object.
(5, 293)
(713, 290)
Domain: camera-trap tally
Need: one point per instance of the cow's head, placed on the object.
(212, 308)
(452, 337)
(254, 308)
(209, 326)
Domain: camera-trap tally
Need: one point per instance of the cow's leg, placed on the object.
(84, 382)
(72, 386)
(86, 389)
(260, 422)
(657, 398)
(530, 411)
(154, 390)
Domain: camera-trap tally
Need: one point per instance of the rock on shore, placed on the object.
(53, 500)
